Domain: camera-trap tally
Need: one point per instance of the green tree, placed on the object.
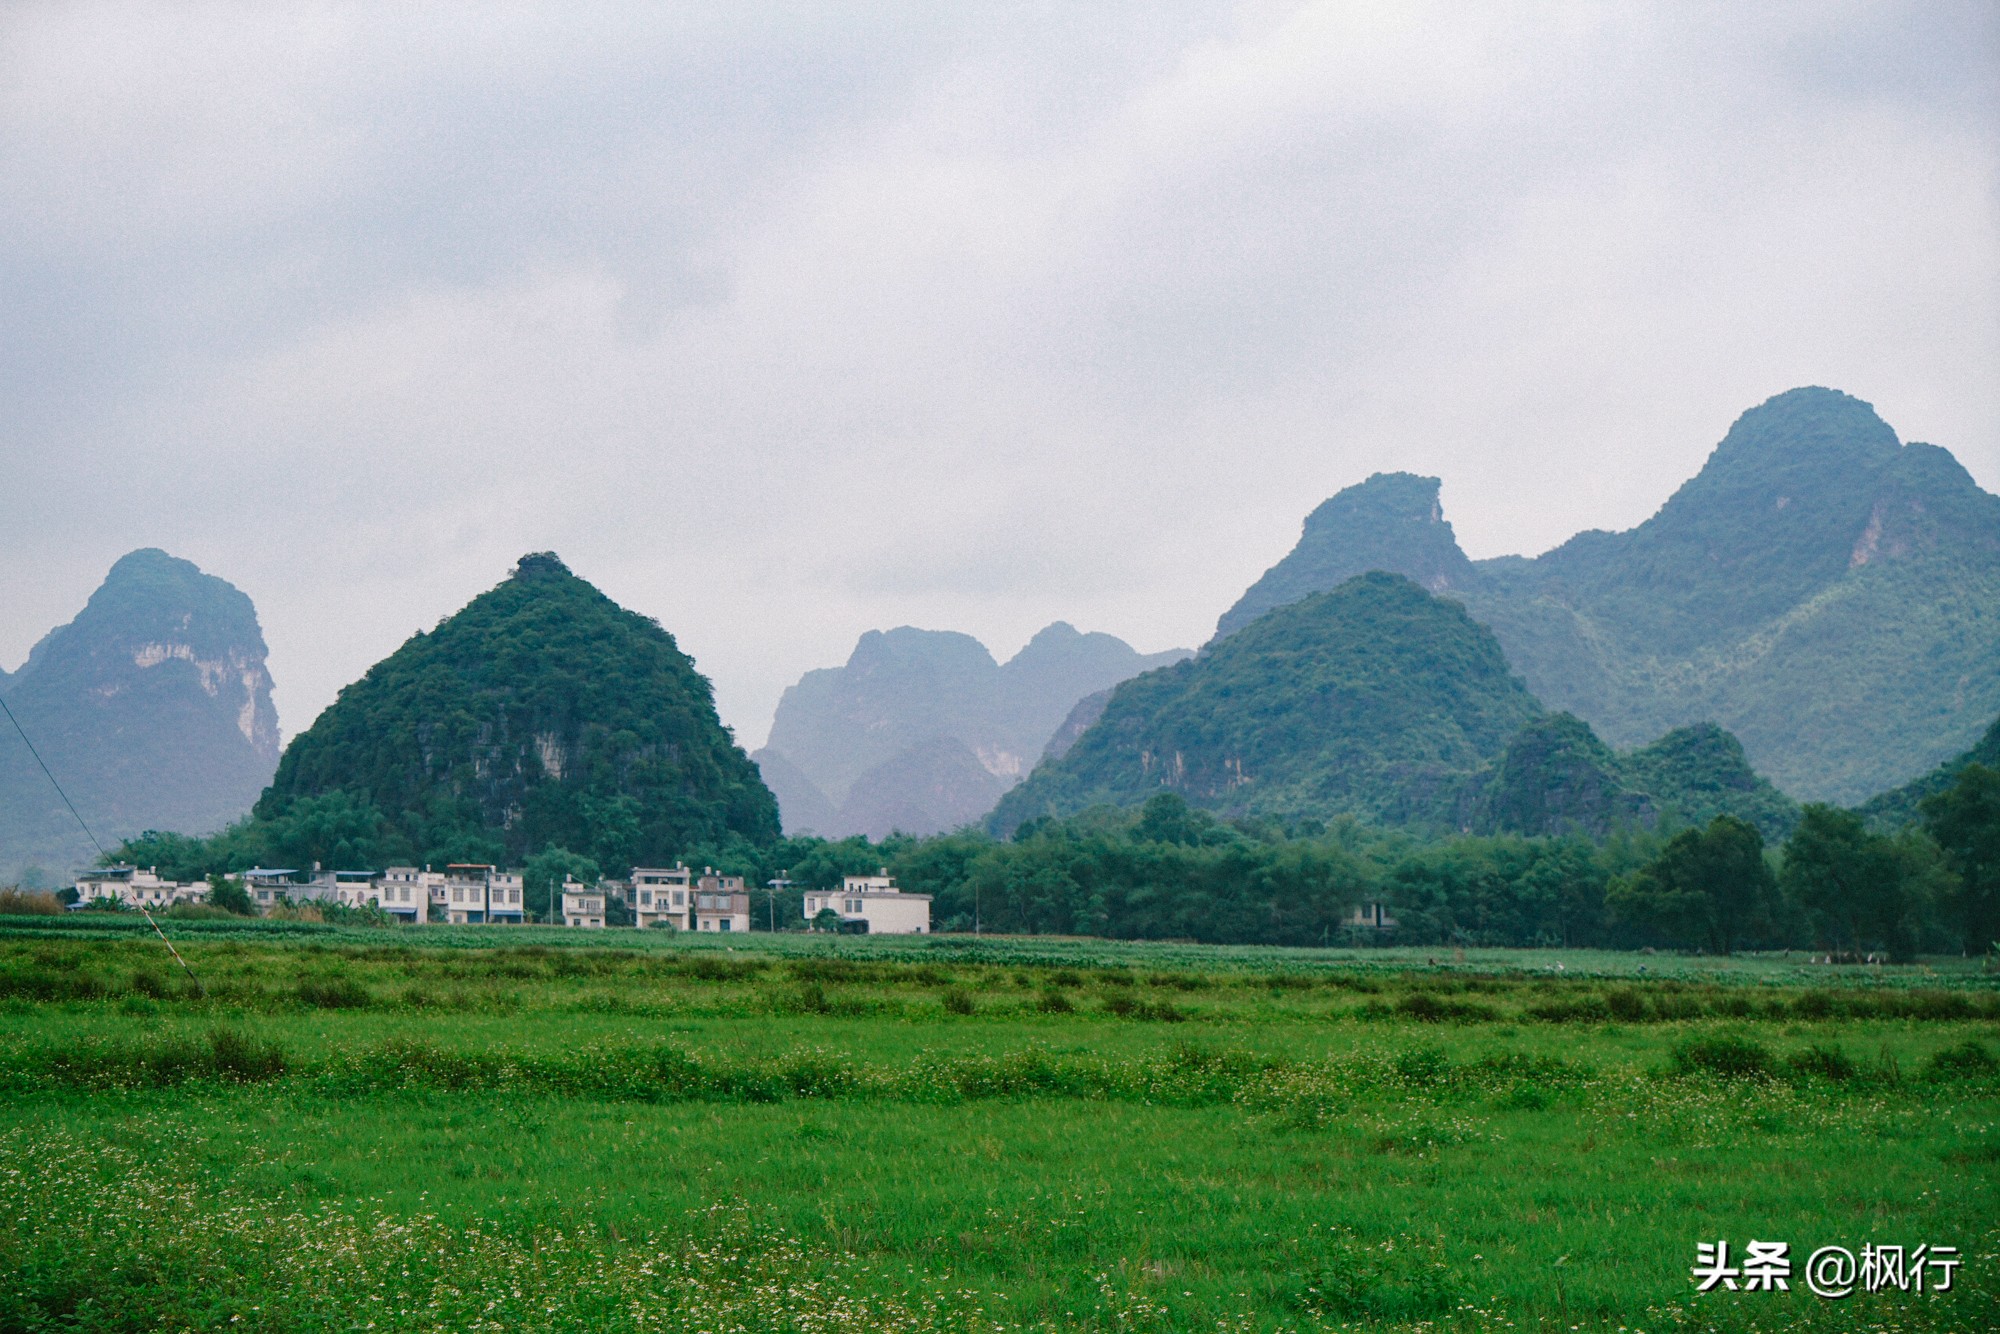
(228, 894)
(1852, 885)
(337, 830)
(1709, 887)
(1964, 819)
(542, 877)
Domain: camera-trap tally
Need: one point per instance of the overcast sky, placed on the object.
(783, 323)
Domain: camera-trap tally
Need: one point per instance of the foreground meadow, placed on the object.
(508, 1129)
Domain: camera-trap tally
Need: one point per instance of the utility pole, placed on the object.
(776, 885)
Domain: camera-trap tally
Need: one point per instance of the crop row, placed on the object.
(1191, 1075)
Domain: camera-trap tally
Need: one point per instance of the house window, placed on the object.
(722, 925)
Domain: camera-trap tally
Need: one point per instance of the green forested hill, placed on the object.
(542, 714)
(1380, 700)
(1904, 805)
(1393, 521)
(1828, 594)
(1374, 698)
(1557, 777)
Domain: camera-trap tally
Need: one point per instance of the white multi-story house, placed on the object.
(405, 892)
(721, 903)
(477, 892)
(355, 889)
(661, 896)
(872, 904)
(503, 898)
(136, 888)
(582, 905)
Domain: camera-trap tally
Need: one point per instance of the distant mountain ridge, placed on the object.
(1380, 700)
(922, 730)
(1826, 593)
(153, 708)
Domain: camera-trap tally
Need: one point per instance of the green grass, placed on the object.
(507, 1130)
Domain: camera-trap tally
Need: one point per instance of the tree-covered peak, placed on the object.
(540, 715)
(1809, 425)
(1391, 522)
(1374, 697)
(541, 565)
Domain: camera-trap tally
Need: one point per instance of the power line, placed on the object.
(51, 777)
(101, 853)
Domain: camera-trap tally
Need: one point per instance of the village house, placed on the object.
(405, 892)
(269, 886)
(503, 897)
(477, 892)
(721, 903)
(661, 897)
(136, 888)
(582, 905)
(872, 905)
(355, 889)
(1370, 916)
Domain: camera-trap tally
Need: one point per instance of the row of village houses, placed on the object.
(653, 896)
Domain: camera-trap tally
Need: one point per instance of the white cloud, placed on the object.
(783, 327)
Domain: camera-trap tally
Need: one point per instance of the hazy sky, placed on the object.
(782, 323)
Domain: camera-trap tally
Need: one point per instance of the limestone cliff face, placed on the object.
(153, 707)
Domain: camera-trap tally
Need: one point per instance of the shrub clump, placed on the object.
(1821, 1062)
(1129, 1007)
(1723, 1058)
(1967, 1060)
(1429, 1009)
(333, 993)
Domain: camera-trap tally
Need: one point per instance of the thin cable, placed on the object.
(51, 777)
(101, 853)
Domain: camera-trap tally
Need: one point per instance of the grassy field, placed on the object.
(467, 1128)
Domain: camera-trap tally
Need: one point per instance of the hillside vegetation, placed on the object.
(1828, 594)
(1381, 701)
(541, 715)
(1904, 805)
(1374, 698)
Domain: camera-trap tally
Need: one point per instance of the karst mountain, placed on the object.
(1825, 592)
(540, 715)
(922, 730)
(152, 709)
